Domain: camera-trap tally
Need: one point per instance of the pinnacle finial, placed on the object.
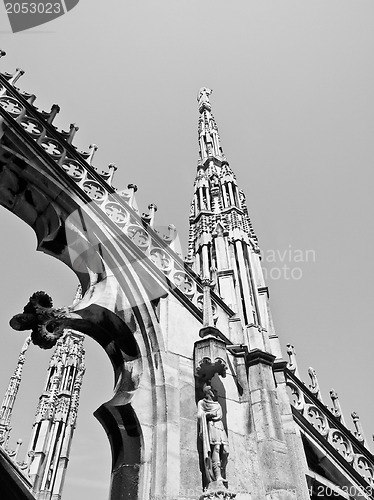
(72, 131)
(16, 454)
(292, 364)
(52, 114)
(150, 217)
(152, 212)
(207, 303)
(112, 167)
(359, 433)
(203, 99)
(314, 387)
(92, 150)
(17, 75)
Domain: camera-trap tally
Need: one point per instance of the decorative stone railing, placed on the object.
(33, 125)
(330, 428)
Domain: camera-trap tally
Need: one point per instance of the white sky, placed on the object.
(293, 98)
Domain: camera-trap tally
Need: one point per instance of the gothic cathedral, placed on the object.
(205, 405)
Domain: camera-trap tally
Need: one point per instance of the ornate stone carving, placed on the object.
(73, 169)
(292, 366)
(336, 409)
(161, 259)
(203, 99)
(341, 444)
(323, 421)
(32, 126)
(215, 441)
(11, 106)
(7, 405)
(184, 283)
(45, 322)
(217, 493)
(358, 429)
(94, 190)
(314, 386)
(210, 356)
(296, 397)
(364, 468)
(139, 236)
(116, 213)
(317, 419)
(52, 147)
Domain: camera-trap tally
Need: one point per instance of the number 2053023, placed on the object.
(33, 8)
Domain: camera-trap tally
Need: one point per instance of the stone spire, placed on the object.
(222, 243)
(209, 140)
(11, 395)
(55, 418)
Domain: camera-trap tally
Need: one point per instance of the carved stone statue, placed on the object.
(203, 99)
(213, 435)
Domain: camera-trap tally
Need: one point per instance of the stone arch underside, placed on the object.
(117, 308)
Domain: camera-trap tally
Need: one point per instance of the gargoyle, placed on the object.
(46, 323)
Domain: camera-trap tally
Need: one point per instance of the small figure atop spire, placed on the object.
(203, 99)
(208, 135)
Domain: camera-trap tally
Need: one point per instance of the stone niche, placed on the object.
(210, 355)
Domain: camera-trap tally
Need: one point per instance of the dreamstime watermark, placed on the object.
(25, 15)
(193, 493)
(287, 264)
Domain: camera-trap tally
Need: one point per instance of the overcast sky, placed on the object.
(293, 98)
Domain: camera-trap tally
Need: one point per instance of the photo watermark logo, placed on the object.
(25, 15)
(286, 264)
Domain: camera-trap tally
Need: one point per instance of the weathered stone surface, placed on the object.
(187, 401)
(190, 473)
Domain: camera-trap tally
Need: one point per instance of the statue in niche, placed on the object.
(214, 437)
(214, 181)
(213, 274)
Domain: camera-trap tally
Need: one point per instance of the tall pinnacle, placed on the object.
(11, 395)
(222, 246)
(56, 415)
(218, 207)
(208, 135)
